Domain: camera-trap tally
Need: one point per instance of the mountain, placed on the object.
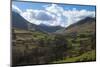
(49, 29)
(85, 25)
(19, 22)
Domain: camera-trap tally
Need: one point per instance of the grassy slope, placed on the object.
(88, 56)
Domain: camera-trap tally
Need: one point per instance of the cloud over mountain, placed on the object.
(54, 15)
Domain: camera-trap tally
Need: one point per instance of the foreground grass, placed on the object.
(88, 56)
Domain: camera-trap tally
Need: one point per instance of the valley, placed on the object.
(40, 44)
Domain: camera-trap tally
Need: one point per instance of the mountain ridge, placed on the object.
(19, 22)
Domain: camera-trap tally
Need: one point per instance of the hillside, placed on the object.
(86, 25)
(82, 39)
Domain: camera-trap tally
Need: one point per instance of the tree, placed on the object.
(61, 46)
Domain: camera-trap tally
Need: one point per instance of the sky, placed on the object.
(53, 14)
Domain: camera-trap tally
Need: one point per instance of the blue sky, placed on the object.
(39, 5)
(53, 14)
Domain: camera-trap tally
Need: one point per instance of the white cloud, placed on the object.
(38, 16)
(54, 9)
(16, 9)
(54, 15)
(76, 15)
